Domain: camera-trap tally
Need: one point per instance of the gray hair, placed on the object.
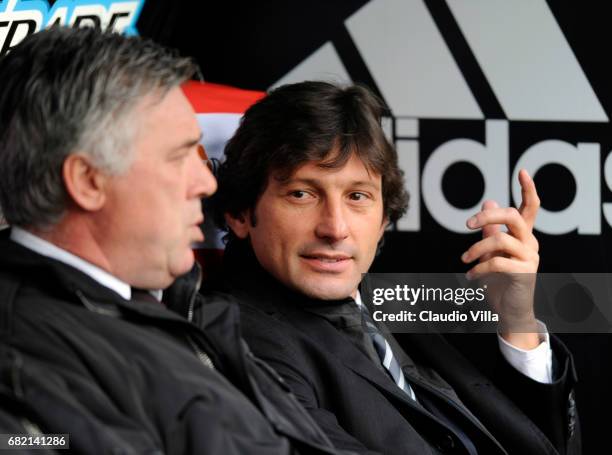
(65, 90)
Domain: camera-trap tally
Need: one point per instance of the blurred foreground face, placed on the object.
(153, 211)
(317, 231)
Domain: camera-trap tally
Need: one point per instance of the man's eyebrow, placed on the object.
(189, 143)
(292, 181)
(366, 183)
(317, 182)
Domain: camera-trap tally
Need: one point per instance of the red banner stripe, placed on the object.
(206, 97)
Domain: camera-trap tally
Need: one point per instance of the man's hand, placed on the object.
(508, 262)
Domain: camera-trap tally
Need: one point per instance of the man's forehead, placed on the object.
(354, 170)
(170, 112)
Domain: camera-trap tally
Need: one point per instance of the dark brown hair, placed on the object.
(305, 122)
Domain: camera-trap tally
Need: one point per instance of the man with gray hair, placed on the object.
(101, 182)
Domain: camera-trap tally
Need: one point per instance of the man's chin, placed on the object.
(184, 265)
(328, 291)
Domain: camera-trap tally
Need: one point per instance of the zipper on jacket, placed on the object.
(204, 358)
(194, 294)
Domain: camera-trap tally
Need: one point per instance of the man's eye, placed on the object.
(178, 156)
(358, 196)
(298, 194)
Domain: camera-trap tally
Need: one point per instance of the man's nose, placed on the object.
(204, 182)
(332, 224)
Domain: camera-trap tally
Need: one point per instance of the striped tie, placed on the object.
(384, 351)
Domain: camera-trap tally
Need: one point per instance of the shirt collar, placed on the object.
(44, 248)
(357, 299)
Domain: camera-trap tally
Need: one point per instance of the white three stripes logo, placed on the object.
(518, 45)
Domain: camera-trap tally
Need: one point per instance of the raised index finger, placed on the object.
(530, 202)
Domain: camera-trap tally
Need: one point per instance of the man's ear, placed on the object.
(238, 224)
(84, 182)
(383, 226)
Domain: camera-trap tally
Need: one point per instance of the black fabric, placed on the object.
(348, 319)
(142, 295)
(361, 408)
(126, 377)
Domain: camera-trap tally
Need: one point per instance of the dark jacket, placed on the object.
(135, 377)
(362, 409)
